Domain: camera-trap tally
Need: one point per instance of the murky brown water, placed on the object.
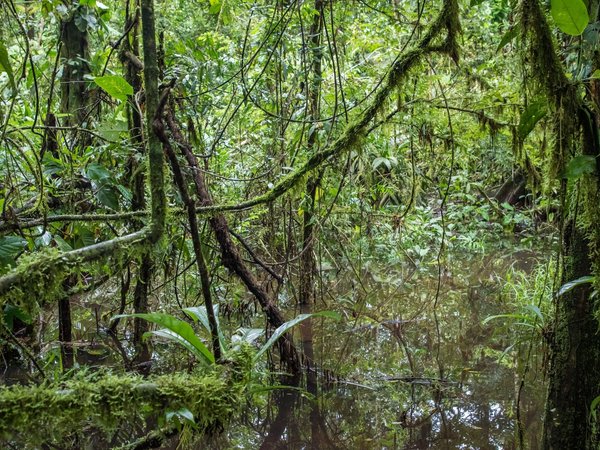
(396, 375)
(410, 366)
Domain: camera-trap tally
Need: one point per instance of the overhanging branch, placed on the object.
(352, 135)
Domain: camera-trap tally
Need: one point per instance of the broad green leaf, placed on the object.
(507, 38)
(62, 244)
(180, 330)
(97, 172)
(11, 313)
(169, 335)
(281, 330)
(126, 193)
(580, 165)
(107, 196)
(595, 75)
(180, 414)
(6, 67)
(215, 7)
(530, 117)
(10, 246)
(247, 335)
(534, 309)
(570, 16)
(85, 236)
(569, 286)
(379, 161)
(115, 86)
(199, 313)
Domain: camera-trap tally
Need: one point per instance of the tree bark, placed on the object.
(230, 255)
(575, 356)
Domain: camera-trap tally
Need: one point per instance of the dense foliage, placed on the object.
(214, 173)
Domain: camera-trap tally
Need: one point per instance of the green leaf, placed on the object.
(534, 309)
(179, 331)
(530, 117)
(570, 16)
(507, 38)
(85, 236)
(595, 75)
(11, 313)
(247, 335)
(580, 165)
(199, 313)
(215, 7)
(107, 196)
(569, 286)
(282, 329)
(97, 172)
(10, 247)
(5, 65)
(62, 244)
(381, 161)
(180, 414)
(115, 86)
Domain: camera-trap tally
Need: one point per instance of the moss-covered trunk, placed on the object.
(74, 104)
(75, 54)
(574, 370)
(575, 356)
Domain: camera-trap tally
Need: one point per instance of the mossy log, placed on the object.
(58, 413)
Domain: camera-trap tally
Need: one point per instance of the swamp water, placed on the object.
(411, 366)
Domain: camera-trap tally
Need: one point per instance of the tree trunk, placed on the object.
(74, 93)
(74, 102)
(230, 255)
(129, 55)
(575, 356)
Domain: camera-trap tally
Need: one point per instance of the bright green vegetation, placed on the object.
(97, 404)
(391, 206)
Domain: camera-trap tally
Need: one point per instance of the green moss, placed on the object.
(55, 412)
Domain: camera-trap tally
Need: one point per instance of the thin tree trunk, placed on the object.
(64, 332)
(129, 55)
(307, 258)
(155, 153)
(74, 104)
(308, 265)
(230, 255)
(74, 94)
(196, 242)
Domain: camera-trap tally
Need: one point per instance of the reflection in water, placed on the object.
(386, 392)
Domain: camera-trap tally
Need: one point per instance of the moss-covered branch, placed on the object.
(352, 135)
(42, 274)
(548, 75)
(52, 412)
